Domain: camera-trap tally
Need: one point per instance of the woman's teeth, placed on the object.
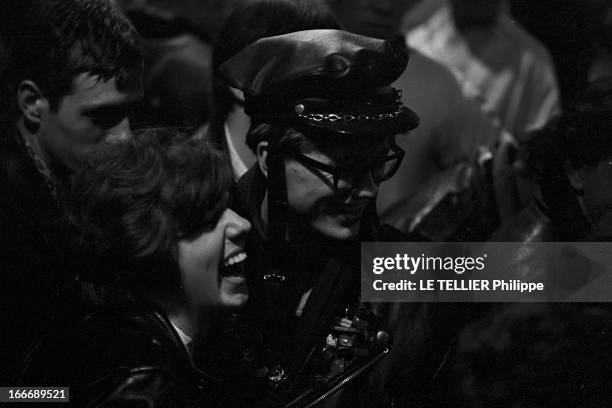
(235, 259)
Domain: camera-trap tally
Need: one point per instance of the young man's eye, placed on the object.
(107, 118)
(107, 121)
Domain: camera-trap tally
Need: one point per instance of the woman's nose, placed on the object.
(238, 227)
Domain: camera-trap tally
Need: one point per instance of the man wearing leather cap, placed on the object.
(324, 120)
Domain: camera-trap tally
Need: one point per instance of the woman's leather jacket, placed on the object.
(123, 357)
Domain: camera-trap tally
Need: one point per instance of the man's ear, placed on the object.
(31, 101)
(576, 177)
(262, 157)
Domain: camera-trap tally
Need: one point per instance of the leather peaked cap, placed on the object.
(327, 79)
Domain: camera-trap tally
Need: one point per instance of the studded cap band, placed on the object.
(346, 117)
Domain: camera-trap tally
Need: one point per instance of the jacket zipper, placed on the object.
(346, 380)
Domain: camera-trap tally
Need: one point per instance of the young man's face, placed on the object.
(333, 206)
(92, 111)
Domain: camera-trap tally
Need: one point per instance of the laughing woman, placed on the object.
(164, 256)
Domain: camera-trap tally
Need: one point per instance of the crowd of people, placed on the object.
(185, 187)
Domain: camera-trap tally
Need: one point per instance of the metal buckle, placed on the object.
(274, 277)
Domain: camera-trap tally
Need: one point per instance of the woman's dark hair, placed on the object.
(581, 138)
(136, 198)
(250, 22)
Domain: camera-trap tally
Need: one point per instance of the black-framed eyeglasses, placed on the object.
(349, 177)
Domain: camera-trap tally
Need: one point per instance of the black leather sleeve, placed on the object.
(148, 387)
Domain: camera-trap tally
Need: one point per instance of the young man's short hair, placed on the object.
(52, 41)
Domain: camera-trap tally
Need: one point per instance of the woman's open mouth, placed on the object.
(235, 258)
(234, 265)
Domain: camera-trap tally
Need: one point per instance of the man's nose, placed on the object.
(121, 130)
(367, 188)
